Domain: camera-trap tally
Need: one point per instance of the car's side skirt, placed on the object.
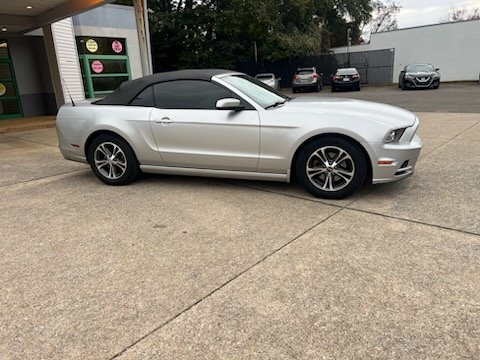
(246, 175)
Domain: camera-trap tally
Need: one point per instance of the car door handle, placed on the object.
(164, 121)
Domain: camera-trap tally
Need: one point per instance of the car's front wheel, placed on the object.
(112, 160)
(331, 168)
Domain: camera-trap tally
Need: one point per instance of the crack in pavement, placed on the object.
(41, 178)
(221, 286)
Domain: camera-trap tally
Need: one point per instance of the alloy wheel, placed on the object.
(330, 168)
(110, 160)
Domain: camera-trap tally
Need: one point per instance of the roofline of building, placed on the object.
(424, 26)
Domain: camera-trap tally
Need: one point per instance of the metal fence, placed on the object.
(375, 66)
(285, 69)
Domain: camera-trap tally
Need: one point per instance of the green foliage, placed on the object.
(222, 33)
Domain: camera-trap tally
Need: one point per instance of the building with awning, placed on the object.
(52, 51)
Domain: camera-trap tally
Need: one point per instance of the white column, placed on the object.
(63, 61)
(143, 32)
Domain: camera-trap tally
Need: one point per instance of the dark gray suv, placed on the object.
(418, 76)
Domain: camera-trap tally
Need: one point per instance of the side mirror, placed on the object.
(437, 69)
(321, 74)
(228, 104)
(279, 79)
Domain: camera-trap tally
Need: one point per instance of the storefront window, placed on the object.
(104, 63)
(10, 106)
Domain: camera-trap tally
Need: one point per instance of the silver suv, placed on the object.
(307, 78)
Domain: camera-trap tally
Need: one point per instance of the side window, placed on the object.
(145, 98)
(190, 94)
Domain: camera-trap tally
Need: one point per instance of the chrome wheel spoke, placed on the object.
(342, 155)
(121, 166)
(110, 172)
(100, 163)
(103, 150)
(315, 171)
(345, 175)
(322, 156)
(116, 151)
(328, 183)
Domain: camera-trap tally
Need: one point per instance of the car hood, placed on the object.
(357, 110)
(421, 74)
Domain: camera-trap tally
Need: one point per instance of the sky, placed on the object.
(426, 12)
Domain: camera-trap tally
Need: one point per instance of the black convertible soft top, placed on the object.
(128, 90)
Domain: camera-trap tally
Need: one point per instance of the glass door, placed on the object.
(10, 105)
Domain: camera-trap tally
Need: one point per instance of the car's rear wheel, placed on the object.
(331, 168)
(112, 160)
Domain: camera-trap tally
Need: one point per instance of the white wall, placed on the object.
(452, 47)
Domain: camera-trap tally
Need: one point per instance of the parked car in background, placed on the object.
(244, 130)
(419, 76)
(347, 78)
(307, 78)
(269, 79)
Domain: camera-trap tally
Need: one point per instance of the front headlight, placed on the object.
(436, 76)
(394, 135)
(409, 77)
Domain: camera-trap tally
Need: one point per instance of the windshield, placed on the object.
(420, 68)
(256, 90)
(346, 72)
(305, 71)
(264, 77)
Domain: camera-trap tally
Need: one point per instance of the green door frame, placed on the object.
(88, 76)
(13, 80)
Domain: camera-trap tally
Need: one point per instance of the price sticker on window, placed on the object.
(117, 46)
(97, 66)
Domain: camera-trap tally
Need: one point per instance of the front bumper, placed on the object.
(396, 161)
(417, 84)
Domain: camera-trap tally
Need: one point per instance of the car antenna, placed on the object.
(68, 91)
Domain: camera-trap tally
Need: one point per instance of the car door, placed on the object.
(190, 132)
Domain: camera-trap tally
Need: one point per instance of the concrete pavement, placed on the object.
(174, 267)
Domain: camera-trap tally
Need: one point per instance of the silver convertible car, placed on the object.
(226, 124)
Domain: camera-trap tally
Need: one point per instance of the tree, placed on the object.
(462, 14)
(222, 33)
(384, 16)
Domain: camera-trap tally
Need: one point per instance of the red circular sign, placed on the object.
(97, 66)
(117, 46)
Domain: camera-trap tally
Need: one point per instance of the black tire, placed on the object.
(294, 90)
(122, 169)
(333, 89)
(357, 87)
(334, 186)
(318, 88)
(403, 86)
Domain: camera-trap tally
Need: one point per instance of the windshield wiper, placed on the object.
(275, 104)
